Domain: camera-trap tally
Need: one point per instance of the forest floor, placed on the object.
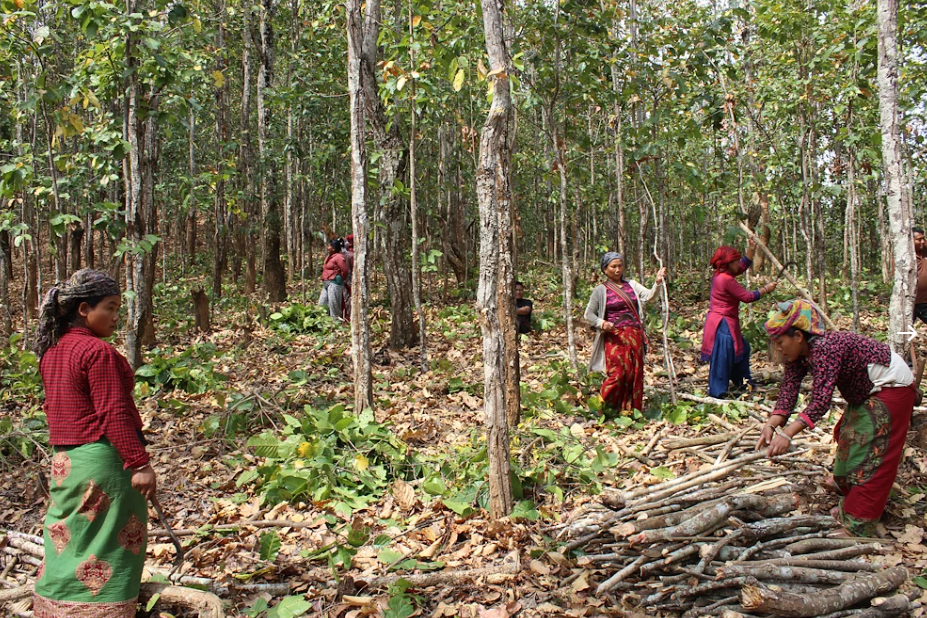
(405, 495)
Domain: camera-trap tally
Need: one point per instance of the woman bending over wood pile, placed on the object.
(879, 389)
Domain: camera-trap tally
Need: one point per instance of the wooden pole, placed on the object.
(785, 273)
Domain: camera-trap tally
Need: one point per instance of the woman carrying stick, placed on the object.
(722, 344)
(879, 389)
(615, 309)
(96, 526)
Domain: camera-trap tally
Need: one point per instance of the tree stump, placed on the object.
(201, 310)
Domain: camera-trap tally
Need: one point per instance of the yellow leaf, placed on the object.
(218, 79)
(197, 25)
(459, 80)
(416, 21)
(402, 82)
(361, 463)
(76, 122)
(481, 69)
(304, 449)
(497, 72)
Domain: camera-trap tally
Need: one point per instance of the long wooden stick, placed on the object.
(772, 258)
(667, 357)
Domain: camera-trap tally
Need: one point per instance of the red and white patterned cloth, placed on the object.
(838, 360)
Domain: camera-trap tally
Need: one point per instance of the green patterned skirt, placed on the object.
(96, 532)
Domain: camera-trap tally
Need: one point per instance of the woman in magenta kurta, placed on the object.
(723, 344)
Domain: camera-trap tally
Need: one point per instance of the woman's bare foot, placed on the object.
(828, 485)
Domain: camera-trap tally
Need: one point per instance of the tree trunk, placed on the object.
(274, 274)
(74, 254)
(220, 236)
(360, 324)
(136, 303)
(150, 158)
(565, 254)
(852, 234)
(390, 145)
(413, 210)
(899, 211)
(6, 317)
(247, 244)
(494, 193)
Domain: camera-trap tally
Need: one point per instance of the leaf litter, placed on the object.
(260, 554)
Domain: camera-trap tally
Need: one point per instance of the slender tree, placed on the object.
(899, 214)
(360, 325)
(494, 194)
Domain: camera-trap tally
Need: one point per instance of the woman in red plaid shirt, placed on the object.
(96, 526)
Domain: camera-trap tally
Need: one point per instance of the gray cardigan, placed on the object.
(595, 315)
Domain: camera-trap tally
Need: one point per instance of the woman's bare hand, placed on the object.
(145, 481)
(661, 275)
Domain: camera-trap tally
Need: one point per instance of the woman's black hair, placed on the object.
(792, 331)
(60, 306)
(337, 244)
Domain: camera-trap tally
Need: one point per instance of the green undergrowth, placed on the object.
(191, 371)
(300, 319)
(23, 429)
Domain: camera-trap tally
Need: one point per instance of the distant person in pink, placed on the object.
(723, 345)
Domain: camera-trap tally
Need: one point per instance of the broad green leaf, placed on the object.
(270, 546)
(662, 472)
(290, 607)
(461, 508)
(151, 602)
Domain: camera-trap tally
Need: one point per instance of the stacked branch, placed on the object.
(725, 540)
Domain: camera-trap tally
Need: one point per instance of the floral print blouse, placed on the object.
(838, 359)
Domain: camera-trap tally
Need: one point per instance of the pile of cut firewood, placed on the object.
(730, 539)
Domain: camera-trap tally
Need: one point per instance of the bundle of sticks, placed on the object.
(730, 540)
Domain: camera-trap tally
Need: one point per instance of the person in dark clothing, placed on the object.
(523, 309)
(920, 299)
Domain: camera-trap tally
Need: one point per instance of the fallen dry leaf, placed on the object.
(405, 494)
(495, 612)
(539, 567)
(912, 535)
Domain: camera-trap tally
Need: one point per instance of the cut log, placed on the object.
(204, 604)
(776, 573)
(757, 597)
(704, 520)
(16, 594)
(672, 444)
(510, 566)
(814, 545)
(615, 579)
(834, 554)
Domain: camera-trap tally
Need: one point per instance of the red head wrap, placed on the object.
(724, 256)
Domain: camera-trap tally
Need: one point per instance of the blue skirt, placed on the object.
(725, 366)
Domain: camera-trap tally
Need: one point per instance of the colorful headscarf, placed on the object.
(724, 256)
(608, 258)
(799, 314)
(63, 298)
